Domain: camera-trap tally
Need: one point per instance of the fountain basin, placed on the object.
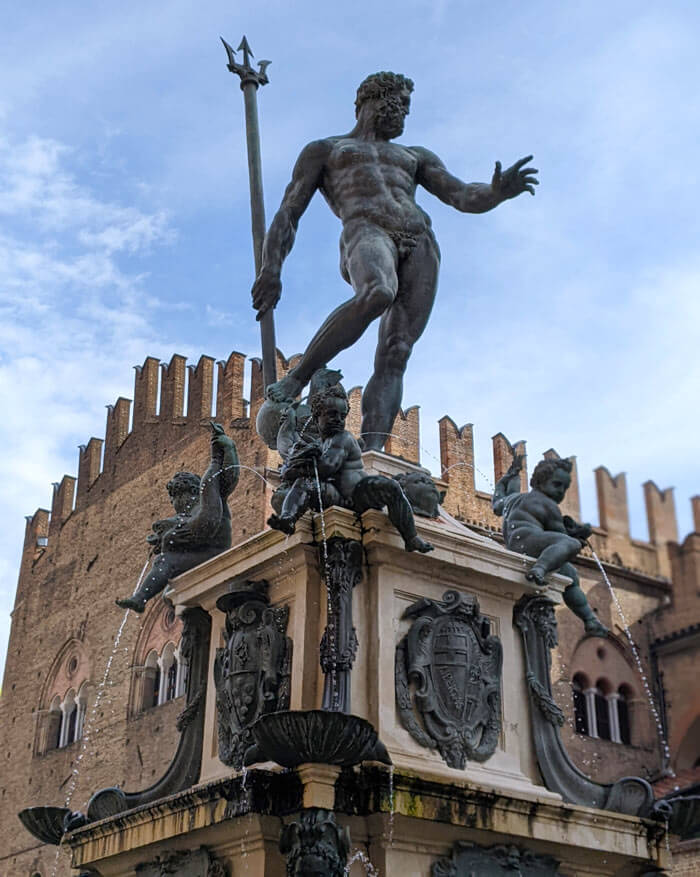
(45, 823)
(295, 737)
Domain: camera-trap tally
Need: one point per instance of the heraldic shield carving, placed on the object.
(252, 671)
(448, 669)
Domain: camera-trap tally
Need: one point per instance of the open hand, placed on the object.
(516, 466)
(514, 181)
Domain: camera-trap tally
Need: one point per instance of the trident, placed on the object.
(251, 79)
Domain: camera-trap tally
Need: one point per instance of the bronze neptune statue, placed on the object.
(388, 252)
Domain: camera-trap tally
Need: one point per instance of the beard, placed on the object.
(390, 122)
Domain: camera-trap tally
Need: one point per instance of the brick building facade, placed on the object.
(89, 548)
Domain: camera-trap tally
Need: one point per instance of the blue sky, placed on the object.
(570, 320)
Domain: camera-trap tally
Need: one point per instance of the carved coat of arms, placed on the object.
(448, 671)
(252, 671)
(468, 859)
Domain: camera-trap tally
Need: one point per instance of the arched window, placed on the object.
(168, 670)
(157, 671)
(579, 686)
(151, 682)
(602, 710)
(69, 708)
(53, 734)
(61, 713)
(171, 681)
(182, 674)
(624, 695)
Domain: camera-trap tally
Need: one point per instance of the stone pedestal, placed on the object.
(406, 819)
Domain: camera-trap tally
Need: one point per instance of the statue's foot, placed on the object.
(536, 574)
(131, 603)
(418, 544)
(284, 390)
(283, 523)
(594, 627)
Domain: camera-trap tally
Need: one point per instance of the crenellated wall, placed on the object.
(173, 401)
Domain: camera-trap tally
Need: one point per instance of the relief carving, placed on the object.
(511, 861)
(252, 671)
(454, 665)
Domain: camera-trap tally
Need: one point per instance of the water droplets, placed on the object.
(640, 667)
(330, 620)
(360, 856)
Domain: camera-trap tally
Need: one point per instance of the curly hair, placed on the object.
(183, 482)
(379, 86)
(546, 468)
(318, 400)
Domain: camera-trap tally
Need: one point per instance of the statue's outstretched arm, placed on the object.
(507, 485)
(279, 239)
(473, 197)
(230, 467)
(218, 482)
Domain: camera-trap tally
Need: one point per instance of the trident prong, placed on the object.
(245, 70)
(247, 51)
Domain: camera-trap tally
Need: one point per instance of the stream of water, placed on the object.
(89, 722)
(360, 856)
(330, 620)
(640, 666)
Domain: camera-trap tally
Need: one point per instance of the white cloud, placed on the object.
(72, 323)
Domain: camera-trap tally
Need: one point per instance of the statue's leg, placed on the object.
(370, 264)
(161, 572)
(377, 491)
(559, 550)
(296, 502)
(576, 600)
(400, 328)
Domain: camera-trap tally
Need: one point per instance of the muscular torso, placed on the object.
(373, 181)
(533, 510)
(343, 446)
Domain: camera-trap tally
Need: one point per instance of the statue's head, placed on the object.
(329, 408)
(421, 492)
(183, 488)
(315, 846)
(388, 97)
(552, 477)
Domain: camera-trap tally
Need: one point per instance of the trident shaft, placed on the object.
(251, 79)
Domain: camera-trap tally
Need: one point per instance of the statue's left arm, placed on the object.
(229, 465)
(473, 197)
(218, 482)
(578, 531)
(507, 485)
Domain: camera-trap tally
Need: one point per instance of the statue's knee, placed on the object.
(573, 545)
(376, 300)
(395, 355)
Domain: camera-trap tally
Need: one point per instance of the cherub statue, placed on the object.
(201, 525)
(422, 492)
(533, 524)
(324, 457)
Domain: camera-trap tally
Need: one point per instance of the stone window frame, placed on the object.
(615, 696)
(592, 702)
(160, 679)
(63, 703)
(159, 673)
